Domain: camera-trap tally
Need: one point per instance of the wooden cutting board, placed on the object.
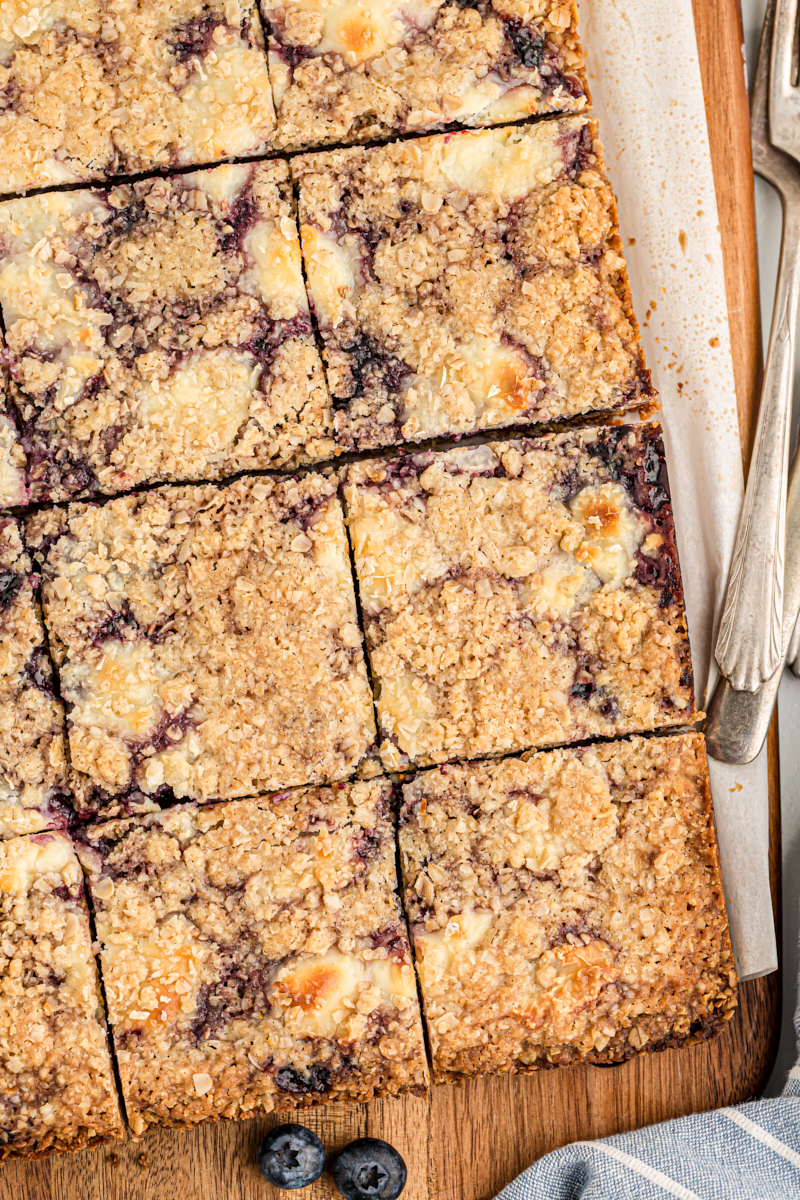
(466, 1143)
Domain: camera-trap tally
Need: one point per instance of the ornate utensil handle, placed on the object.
(738, 721)
(749, 645)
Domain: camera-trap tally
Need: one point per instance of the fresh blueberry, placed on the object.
(291, 1156)
(368, 1168)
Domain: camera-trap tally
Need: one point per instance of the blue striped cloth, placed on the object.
(747, 1153)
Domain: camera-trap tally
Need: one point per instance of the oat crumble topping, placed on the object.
(33, 769)
(567, 906)
(161, 330)
(522, 593)
(56, 1086)
(254, 955)
(206, 640)
(469, 281)
(90, 89)
(348, 70)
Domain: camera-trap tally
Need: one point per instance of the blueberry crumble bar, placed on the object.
(160, 330)
(33, 769)
(348, 70)
(520, 594)
(567, 906)
(206, 640)
(56, 1086)
(89, 90)
(469, 281)
(254, 955)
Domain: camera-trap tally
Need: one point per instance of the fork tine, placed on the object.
(783, 43)
(759, 103)
(783, 96)
(769, 161)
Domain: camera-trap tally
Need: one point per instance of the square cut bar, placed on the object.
(344, 71)
(206, 641)
(469, 281)
(254, 955)
(161, 330)
(92, 90)
(33, 767)
(520, 594)
(56, 1085)
(567, 906)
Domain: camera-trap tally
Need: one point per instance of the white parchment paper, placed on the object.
(648, 96)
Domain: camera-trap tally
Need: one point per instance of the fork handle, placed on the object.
(794, 650)
(750, 635)
(738, 721)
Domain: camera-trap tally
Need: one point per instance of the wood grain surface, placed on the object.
(466, 1143)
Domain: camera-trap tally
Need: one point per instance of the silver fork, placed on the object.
(738, 720)
(749, 645)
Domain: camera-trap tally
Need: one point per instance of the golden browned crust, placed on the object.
(567, 906)
(469, 281)
(161, 330)
(206, 639)
(97, 88)
(340, 75)
(33, 768)
(254, 955)
(58, 1147)
(522, 593)
(56, 1085)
